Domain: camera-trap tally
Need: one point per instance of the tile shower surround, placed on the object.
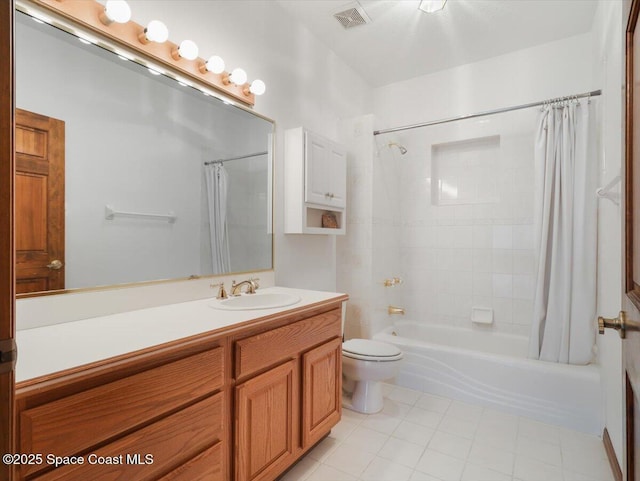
(476, 253)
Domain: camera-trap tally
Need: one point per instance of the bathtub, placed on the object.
(491, 369)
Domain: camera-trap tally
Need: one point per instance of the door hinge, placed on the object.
(8, 355)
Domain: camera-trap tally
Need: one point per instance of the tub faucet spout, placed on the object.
(395, 310)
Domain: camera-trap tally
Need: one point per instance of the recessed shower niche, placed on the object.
(463, 172)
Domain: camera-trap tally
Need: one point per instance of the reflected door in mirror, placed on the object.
(39, 207)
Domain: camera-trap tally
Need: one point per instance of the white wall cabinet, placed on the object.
(315, 172)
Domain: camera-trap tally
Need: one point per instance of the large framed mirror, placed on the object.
(125, 176)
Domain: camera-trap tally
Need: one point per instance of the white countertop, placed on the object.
(49, 349)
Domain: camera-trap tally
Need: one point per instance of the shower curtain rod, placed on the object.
(593, 93)
(236, 158)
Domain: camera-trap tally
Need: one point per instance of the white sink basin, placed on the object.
(267, 300)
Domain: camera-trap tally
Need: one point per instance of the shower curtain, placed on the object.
(565, 236)
(217, 181)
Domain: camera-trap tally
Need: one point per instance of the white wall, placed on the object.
(545, 71)
(355, 248)
(608, 68)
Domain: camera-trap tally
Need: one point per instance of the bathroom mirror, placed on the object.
(136, 177)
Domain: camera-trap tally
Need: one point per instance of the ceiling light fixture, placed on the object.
(156, 31)
(431, 6)
(115, 11)
(187, 50)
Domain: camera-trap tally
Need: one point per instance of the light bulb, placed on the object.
(257, 87)
(156, 31)
(215, 64)
(187, 50)
(116, 11)
(238, 76)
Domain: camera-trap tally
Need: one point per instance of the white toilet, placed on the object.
(364, 364)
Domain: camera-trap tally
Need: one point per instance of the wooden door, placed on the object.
(631, 252)
(7, 278)
(321, 391)
(39, 203)
(267, 415)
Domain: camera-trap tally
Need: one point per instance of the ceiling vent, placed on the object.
(352, 15)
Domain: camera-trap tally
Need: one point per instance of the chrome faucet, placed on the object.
(252, 286)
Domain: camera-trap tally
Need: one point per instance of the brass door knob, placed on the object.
(55, 265)
(620, 324)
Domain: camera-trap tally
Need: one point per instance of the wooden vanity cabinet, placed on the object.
(267, 423)
(138, 417)
(284, 410)
(321, 391)
(242, 403)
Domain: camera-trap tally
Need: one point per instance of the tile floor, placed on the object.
(421, 437)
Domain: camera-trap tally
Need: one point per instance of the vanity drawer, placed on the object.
(77, 422)
(269, 348)
(206, 466)
(172, 442)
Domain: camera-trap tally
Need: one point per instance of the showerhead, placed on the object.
(400, 147)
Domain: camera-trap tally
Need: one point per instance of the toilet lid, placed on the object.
(368, 349)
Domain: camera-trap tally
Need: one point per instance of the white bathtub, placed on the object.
(491, 369)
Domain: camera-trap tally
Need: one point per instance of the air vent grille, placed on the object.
(352, 17)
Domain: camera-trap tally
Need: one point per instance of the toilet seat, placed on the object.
(368, 350)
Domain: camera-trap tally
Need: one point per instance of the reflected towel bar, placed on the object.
(110, 213)
(606, 191)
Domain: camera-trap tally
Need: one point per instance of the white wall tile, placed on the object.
(523, 237)
(523, 261)
(483, 284)
(482, 260)
(502, 261)
(503, 310)
(482, 236)
(502, 285)
(522, 311)
(523, 287)
(502, 237)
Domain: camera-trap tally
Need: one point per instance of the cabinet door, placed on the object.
(338, 172)
(322, 391)
(317, 172)
(267, 423)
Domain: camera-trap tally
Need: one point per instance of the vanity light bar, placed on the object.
(113, 21)
(153, 69)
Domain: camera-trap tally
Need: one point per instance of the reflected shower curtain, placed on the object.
(217, 181)
(564, 304)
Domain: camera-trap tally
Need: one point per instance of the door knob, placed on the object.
(620, 324)
(55, 265)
